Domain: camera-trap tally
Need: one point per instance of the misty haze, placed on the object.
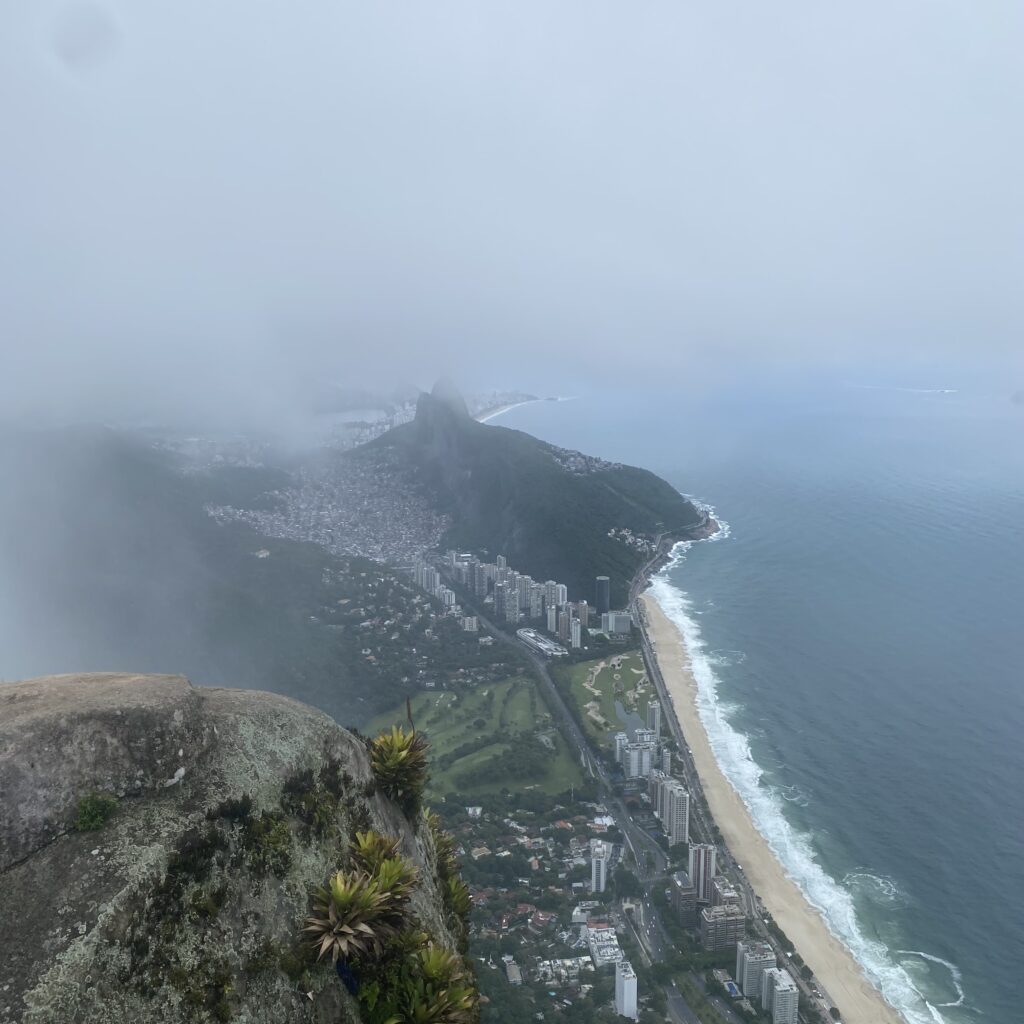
(511, 513)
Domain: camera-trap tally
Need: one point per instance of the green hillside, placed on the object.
(508, 493)
(117, 567)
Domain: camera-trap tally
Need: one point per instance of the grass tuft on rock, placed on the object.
(94, 811)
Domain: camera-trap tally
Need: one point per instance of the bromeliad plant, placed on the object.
(419, 983)
(439, 991)
(399, 761)
(350, 917)
(360, 911)
(372, 849)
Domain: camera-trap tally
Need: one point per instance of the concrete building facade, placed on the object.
(701, 869)
(625, 990)
(675, 816)
(600, 851)
(752, 960)
(721, 928)
(780, 996)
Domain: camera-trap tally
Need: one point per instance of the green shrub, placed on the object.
(94, 811)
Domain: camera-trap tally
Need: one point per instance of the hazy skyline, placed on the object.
(212, 205)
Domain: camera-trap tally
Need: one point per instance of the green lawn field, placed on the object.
(500, 735)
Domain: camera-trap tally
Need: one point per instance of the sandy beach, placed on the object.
(833, 964)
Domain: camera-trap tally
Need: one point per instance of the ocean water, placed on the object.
(859, 639)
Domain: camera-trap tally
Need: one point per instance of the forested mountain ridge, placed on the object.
(554, 513)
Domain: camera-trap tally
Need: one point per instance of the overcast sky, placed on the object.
(215, 201)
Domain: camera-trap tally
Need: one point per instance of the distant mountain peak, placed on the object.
(442, 409)
(445, 392)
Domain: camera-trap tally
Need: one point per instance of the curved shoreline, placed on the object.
(834, 965)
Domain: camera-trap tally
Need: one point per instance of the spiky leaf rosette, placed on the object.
(399, 761)
(371, 849)
(351, 917)
(396, 877)
(441, 991)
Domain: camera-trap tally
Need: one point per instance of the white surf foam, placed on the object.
(954, 972)
(792, 848)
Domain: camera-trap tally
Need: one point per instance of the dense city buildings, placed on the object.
(721, 927)
(779, 996)
(702, 869)
(752, 960)
(625, 990)
(515, 597)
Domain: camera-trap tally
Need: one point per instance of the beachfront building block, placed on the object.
(723, 892)
(684, 899)
(637, 760)
(621, 741)
(701, 869)
(575, 635)
(666, 760)
(721, 927)
(752, 960)
(779, 996)
(654, 790)
(625, 990)
(616, 623)
(654, 718)
(675, 817)
(600, 852)
(564, 618)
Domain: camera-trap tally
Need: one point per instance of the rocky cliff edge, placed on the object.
(158, 846)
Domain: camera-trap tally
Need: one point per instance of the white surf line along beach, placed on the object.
(833, 964)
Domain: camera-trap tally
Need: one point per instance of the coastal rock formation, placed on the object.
(158, 845)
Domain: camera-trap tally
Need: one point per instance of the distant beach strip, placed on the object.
(490, 414)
